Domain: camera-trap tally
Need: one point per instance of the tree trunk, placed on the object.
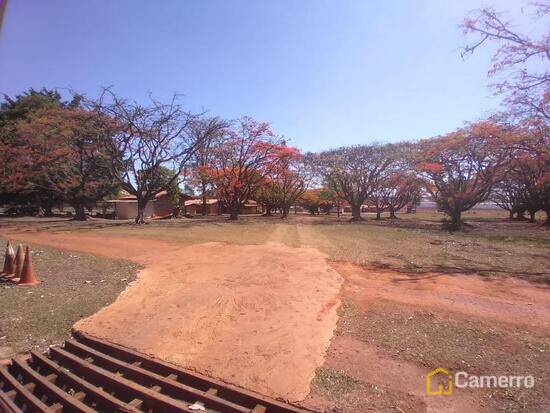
(48, 210)
(267, 211)
(295, 209)
(176, 212)
(532, 216)
(234, 214)
(547, 223)
(39, 209)
(140, 217)
(80, 213)
(285, 212)
(204, 204)
(338, 210)
(392, 213)
(456, 221)
(511, 215)
(356, 213)
(378, 214)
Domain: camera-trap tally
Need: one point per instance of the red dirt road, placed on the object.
(259, 316)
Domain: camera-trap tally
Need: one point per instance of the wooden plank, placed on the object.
(49, 388)
(30, 399)
(137, 403)
(99, 396)
(147, 378)
(90, 372)
(226, 391)
(57, 407)
(10, 394)
(7, 405)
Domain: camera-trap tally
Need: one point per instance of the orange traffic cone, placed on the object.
(9, 260)
(19, 260)
(27, 274)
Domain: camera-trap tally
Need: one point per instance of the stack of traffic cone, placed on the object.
(19, 260)
(9, 260)
(27, 273)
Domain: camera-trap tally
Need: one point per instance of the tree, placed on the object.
(12, 111)
(145, 138)
(267, 196)
(353, 172)
(56, 153)
(395, 192)
(460, 169)
(243, 159)
(173, 189)
(207, 133)
(288, 179)
(510, 195)
(527, 89)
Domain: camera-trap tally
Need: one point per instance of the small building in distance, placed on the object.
(195, 207)
(160, 206)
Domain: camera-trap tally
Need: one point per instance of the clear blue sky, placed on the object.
(324, 73)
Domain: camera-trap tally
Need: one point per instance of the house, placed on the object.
(160, 206)
(194, 207)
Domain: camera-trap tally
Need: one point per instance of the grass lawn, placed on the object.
(508, 249)
(73, 286)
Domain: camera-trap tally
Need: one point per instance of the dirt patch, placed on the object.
(259, 316)
(500, 299)
(394, 329)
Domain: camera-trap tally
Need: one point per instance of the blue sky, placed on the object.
(324, 73)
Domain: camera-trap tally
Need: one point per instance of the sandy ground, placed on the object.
(501, 302)
(259, 316)
(507, 300)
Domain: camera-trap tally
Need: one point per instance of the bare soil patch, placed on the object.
(394, 329)
(259, 316)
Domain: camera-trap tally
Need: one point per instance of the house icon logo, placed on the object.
(441, 380)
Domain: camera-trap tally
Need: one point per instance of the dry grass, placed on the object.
(345, 393)
(491, 248)
(73, 286)
(242, 232)
(457, 343)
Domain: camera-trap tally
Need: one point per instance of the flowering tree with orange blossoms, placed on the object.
(530, 168)
(521, 61)
(287, 181)
(57, 151)
(243, 159)
(460, 169)
(318, 199)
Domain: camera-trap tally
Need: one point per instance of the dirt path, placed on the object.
(259, 316)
